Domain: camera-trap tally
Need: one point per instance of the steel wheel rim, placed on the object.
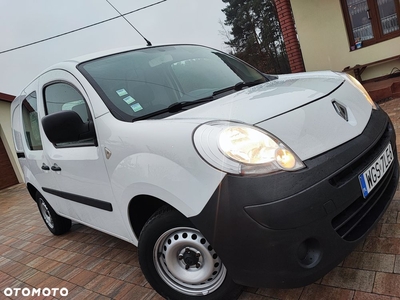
(46, 213)
(187, 263)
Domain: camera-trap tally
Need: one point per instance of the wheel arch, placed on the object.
(32, 190)
(140, 209)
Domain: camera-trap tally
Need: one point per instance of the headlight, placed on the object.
(359, 86)
(242, 149)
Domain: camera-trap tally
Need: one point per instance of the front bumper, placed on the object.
(291, 228)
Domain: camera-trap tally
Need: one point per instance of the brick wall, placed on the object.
(292, 44)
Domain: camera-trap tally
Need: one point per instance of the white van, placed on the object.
(221, 175)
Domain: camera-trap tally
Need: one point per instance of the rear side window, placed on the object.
(61, 96)
(31, 122)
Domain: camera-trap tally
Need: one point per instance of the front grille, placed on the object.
(362, 162)
(353, 222)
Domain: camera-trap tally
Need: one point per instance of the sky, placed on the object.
(26, 21)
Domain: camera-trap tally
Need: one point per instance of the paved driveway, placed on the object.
(93, 265)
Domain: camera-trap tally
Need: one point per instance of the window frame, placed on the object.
(375, 23)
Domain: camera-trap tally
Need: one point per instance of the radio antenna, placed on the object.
(147, 41)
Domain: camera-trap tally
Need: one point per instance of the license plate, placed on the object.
(375, 172)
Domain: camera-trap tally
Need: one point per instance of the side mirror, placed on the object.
(67, 126)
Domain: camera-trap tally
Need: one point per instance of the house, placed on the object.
(335, 34)
(11, 172)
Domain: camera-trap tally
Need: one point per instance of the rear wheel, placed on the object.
(56, 224)
(178, 261)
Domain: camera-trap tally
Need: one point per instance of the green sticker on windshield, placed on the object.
(122, 92)
(129, 100)
(136, 107)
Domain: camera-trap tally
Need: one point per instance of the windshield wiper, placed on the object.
(239, 86)
(174, 107)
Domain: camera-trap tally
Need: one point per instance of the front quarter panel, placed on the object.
(157, 158)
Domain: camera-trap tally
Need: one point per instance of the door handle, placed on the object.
(45, 167)
(55, 168)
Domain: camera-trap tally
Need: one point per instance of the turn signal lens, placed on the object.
(285, 159)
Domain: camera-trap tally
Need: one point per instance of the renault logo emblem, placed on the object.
(341, 110)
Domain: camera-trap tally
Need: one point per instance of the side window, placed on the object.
(62, 96)
(31, 122)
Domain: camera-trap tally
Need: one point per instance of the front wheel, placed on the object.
(178, 261)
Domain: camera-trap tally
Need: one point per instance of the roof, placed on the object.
(73, 62)
(6, 97)
(108, 52)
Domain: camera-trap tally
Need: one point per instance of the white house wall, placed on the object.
(324, 43)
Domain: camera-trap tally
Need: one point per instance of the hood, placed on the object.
(268, 100)
(288, 108)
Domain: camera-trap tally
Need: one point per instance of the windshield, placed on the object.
(146, 81)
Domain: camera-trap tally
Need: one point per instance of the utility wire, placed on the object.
(85, 27)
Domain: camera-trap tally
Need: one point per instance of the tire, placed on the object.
(178, 261)
(56, 224)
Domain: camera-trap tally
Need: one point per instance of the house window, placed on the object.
(371, 21)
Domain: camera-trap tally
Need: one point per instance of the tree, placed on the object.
(257, 36)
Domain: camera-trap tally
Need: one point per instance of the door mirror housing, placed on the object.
(67, 127)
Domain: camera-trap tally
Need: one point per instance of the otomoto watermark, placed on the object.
(35, 292)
